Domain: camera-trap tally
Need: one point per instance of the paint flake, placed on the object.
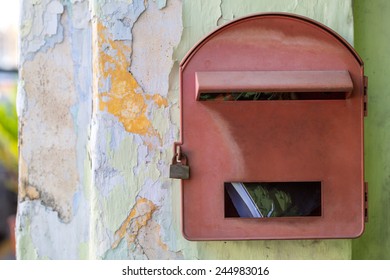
(124, 98)
(161, 4)
(139, 216)
(143, 234)
(40, 26)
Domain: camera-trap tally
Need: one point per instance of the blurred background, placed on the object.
(9, 25)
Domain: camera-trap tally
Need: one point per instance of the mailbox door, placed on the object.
(315, 136)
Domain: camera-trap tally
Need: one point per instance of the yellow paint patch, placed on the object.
(124, 97)
(139, 216)
(160, 242)
(143, 233)
(26, 190)
(29, 192)
(32, 193)
(158, 100)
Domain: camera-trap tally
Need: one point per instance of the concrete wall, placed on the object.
(98, 111)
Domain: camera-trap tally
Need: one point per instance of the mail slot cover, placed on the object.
(272, 109)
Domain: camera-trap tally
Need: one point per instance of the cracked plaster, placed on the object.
(40, 26)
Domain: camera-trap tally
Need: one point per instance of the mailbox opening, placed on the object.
(272, 199)
(273, 85)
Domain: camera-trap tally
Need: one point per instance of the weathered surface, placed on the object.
(40, 28)
(98, 111)
(54, 108)
(49, 103)
(133, 134)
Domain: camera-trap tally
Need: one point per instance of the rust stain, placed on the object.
(138, 218)
(124, 98)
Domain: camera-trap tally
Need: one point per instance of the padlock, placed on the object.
(179, 168)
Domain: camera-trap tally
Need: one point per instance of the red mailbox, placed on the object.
(272, 110)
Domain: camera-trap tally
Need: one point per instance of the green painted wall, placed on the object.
(372, 41)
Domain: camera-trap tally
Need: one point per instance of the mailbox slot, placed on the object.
(272, 199)
(302, 85)
(292, 125)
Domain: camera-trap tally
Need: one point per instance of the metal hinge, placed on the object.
(365, 97)
(366, 202)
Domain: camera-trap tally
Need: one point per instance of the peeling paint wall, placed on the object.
(132, 134)
(54, 108)
(98, 111)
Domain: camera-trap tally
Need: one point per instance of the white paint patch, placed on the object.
(120, 17)
(50, 20)
(80, 14)
(50, 237)
(40, 25)
(161, 4)
(21, 100)
(106, 177)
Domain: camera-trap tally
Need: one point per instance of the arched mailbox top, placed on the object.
(294, 21)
